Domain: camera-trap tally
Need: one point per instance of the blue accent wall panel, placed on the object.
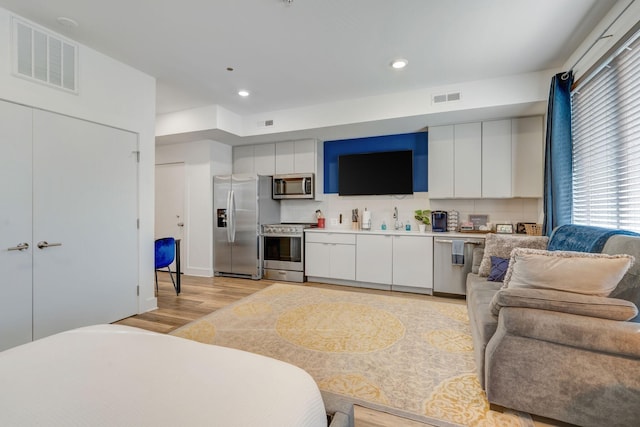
(408, 141)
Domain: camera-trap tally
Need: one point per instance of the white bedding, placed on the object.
(110, 375)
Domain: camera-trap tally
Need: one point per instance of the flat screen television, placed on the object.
(388, 172)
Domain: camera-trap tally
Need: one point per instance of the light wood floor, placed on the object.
(203, 295)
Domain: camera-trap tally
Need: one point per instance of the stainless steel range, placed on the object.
(283, 252)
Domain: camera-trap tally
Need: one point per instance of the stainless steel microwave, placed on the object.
(294, 186)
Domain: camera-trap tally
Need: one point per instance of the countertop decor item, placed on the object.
(423, 216)
(504, 228)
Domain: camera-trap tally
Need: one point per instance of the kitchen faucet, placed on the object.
(397, 224)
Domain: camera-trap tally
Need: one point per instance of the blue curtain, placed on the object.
(558, 190)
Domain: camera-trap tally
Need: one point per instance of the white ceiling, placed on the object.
(318, 51)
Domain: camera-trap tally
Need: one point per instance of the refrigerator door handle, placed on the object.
(232, 215)
(228, 213)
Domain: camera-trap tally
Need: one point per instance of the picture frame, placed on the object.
(504, 228)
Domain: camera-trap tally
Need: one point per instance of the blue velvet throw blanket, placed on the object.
(582, 238)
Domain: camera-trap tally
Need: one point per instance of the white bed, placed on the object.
(110, 375)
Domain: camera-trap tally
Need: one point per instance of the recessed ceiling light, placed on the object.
(67, 22)
(243, 93)
(399, 63)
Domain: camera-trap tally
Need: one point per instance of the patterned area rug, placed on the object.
(408, 357)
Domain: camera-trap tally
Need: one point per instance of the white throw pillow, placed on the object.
(578, 272)
(501, 245)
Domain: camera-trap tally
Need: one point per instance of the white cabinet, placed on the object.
(243, 159)
(330, 255)
(455, 161)
(373, 258)
(493, 159)
(440, 162)
(73, 185)
(264, 162)
(527, 152)
(285, 157)
(304, 156)
(397, 261)
(467, 164)
(254, 159)
(413, 261)
(296, 156)
(496, 159)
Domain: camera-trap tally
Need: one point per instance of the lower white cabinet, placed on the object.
(373, 258)
(330, 255)
(413, 261)
(397, 261)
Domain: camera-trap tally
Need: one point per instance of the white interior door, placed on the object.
(85, 199)
(170, 201)
(15, 225)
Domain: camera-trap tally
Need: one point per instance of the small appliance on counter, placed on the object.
(439, 221)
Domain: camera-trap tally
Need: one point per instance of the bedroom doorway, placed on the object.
(170, 203)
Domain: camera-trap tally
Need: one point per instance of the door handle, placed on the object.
(19, 247)
(180, 224)
(43, 244)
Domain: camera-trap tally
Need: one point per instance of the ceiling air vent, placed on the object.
(44, 57)
(445, 97)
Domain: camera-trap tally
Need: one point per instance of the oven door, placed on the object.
(283, 252)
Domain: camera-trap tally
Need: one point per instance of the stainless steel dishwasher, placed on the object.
(451, 278)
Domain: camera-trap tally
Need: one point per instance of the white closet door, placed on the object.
(85, 198)
(15, 225)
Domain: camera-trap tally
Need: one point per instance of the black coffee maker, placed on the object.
(439, 221)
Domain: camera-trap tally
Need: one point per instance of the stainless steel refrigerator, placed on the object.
(241, 204)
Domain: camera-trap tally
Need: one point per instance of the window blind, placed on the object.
(605, 124)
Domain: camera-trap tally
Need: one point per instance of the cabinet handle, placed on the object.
(43, 244)
(20, 247)
(470, 242)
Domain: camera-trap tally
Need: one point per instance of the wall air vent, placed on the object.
(44, 57)
(445, 97)
(265, 123)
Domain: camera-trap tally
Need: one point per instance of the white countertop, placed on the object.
(446, 235)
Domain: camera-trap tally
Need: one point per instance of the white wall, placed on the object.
(202, 160)
(110, 93)
(500, 211)
(476, 95)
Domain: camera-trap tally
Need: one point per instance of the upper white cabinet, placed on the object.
(527, 153)
(496, 159)
(455, 165)
(493, 159)
(264, 162)
(304, 156)
(255, 159)
(467, 152)
(297, 156)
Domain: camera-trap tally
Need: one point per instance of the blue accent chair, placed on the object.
(165, 255)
